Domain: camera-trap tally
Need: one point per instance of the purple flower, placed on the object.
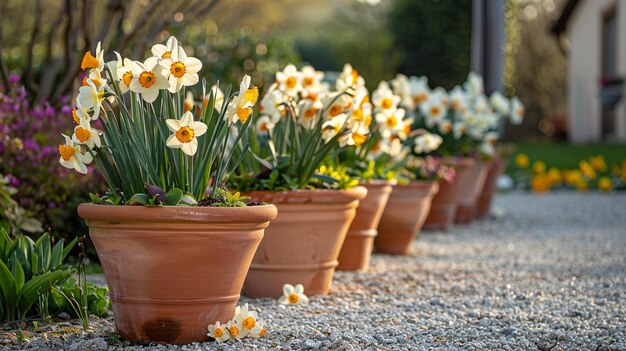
(14, 79)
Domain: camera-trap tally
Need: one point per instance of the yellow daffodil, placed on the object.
(539, 167)
(90, 97)
(293, 295)
(540, 183)
(148, 79)
(289, 80)
(598, 163)
(605, 184)
(161, 51)
(73, 157)
(84, 134)
(180, 69)
(587, 170)
(555, 175)
(219, 332)
(186, 131)
(522, 161)
(240, 107)
(93, 62)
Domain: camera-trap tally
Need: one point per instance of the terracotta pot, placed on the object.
(302, 244)
(172, 271)
(404, 216)
(471, 187)
(483, 204)
(356, 251)
(445, 203)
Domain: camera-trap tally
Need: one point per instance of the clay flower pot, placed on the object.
(356, 251)
(404, 216)
(172, 271)
(302, 244)
(470, 188)
(445, 203)
(483, 203)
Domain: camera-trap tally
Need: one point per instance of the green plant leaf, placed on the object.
(139, 199)
(173, 197)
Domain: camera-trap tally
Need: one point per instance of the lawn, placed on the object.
(563, 155)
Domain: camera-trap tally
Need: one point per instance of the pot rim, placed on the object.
(459, 161)
(310, 195)
(378, 182)
(184, 214)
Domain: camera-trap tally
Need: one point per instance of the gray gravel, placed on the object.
(550, 273)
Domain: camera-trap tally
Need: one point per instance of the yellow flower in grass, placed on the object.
(240, 108)
(185, 130)
(73, 157)
(555, 175)
(219, 332)
(623, 170)
(573, 177)
(93, 62)
(587, 170)
(605, 184)
(598, 163)
(581, 185)
(540, 183)
(293, 295)
(539, 167)
(522, 161)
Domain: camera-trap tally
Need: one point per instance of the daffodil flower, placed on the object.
(435, 110)
(264, 125)
(289, 80)
(333, 127)
(390, 123)
(218, 94)
(240, 107)
(122, 72)
(72, 156)
(259, 330)
(383, 99)
(189, 103)
(180, 69)
(419, 90)
(426, 143)
(186, 131)
(165, 51)
(500, 103)
(349, 78)
(293, 295)
(79, 113)
(84, 134)
(246, 319)
(234, 329)
(93, 62)
(312, 81)
(272, 105)
(219, 332)
(148, 79)
(97, 79)
(517, 111)
(90, 97)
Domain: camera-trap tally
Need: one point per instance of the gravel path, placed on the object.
(549, 274)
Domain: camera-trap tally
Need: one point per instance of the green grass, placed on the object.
(564, 155)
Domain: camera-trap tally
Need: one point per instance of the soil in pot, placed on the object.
(303, 243)
(445, 203)
(356, 251)
(404, 216)
(172, 271)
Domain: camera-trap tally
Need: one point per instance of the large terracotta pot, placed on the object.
(404, 216)
(471, 187)
(483, 203)
(172, 271)
(357, 248)
(302, 244)
(445, 203)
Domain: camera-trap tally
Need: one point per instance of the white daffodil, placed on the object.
(491, 137)
(487, 149)
(441, 94)
(240, 108)
(445, 126)
(148, 79)
(517, 111)
(79, 113)
(186, 131)
(311, 81)
(90, 97)
(500, 103)
(259, 330)
(93, 62)
(481, 104)
(189, 103)
(72, 156)
(394, 148)
(458, 130)
(96, 78)
(272, 105)
(308, 112)
(234, 330)
(333, 127)
(402, 87)
(434, 110)
(474, 84)
(458, 100)
(246, 319)
(218, 332)
(356, 136)
(289, 80)
(84, 134)
(390, 123)
(335, 104)
(293, 295)
(426, 143)
(218, 94)
(349, 78)
(420, 92)
(165, 51)
(383, 99)
(264, 125)
(122, 72)
(180, 69)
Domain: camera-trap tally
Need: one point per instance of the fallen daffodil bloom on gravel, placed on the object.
(245, 323)
(293, 295)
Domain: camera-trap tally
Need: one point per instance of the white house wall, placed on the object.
(584, 56)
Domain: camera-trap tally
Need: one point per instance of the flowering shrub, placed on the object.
(593, 172)
(28, 151)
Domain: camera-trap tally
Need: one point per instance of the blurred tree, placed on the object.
(435, 38)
